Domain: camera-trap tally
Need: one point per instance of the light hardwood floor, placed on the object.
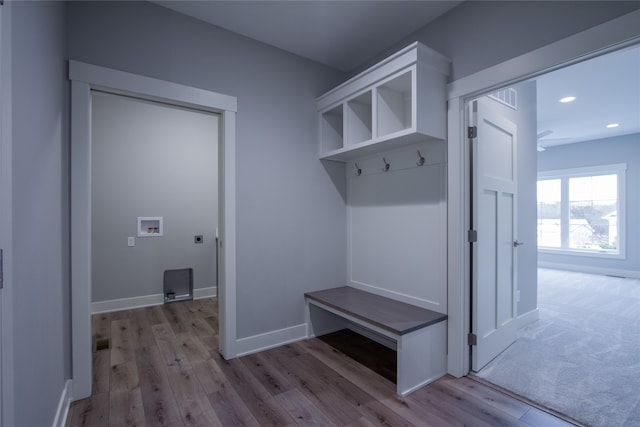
(163, 369)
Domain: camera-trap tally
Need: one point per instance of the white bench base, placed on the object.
(421, 354)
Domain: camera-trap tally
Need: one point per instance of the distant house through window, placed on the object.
(578, 210)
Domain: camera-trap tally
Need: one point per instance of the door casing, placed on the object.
(601, 39)
(6, 207)
(84, 78)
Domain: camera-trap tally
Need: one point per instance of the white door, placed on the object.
(494, 190)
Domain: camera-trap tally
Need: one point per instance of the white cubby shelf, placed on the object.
(399, 101)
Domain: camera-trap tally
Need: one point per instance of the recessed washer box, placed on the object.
(149, 226)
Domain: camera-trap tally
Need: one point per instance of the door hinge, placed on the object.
(472, 132)
(472, 339)
(472, 236)
(1, 268)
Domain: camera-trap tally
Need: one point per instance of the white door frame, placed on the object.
(6, 233)
(609, 36)
(84, 78)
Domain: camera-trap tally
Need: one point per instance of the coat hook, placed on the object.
(386, 165)
(358, 171)
(420, 161)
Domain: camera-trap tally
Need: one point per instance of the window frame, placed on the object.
(564, 175)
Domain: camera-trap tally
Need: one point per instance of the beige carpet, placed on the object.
(582, 357)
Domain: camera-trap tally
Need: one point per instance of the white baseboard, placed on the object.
(271, 339)
(528, 317)
(420, 302)
(126, 303)
(144, 301)
(63, 406)
(205, 292)
(631, 274)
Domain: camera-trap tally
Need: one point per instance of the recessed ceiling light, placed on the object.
(613, 125)
(567, 99)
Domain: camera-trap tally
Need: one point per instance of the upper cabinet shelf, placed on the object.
(400, 100)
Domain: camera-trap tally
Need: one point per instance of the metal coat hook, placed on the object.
(358, 171)
(386, 165)
(420, 161)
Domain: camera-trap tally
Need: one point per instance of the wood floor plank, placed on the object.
(191, 399)
(121, 342)
(159, 402)
(155, 315)
(251, 391)
(177, 316)
(378, 386)
(332, 404)
(302, 410)
(125, 409)
(170, 349)
(101, 372)
(361, 422)
(230, 409)
(101, 325)
(468, 407)
(200, 328)
(90, 412)
(270, 377)
(192, 348)
(124, 377)
(210, 376)
(501, 401)
(140, 328)
(164, 369)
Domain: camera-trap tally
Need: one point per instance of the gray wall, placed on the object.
(479, 34)
(623, 149)
(291, 222)
(149, 160)
(291, 218)
(40, 212)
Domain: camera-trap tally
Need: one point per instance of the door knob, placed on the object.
(517, 243)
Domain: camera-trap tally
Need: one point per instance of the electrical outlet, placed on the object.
(131, 241)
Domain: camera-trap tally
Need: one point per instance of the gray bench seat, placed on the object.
(419, 333)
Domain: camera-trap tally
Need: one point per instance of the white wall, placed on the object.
(479, 34)
(290, 214)
(397, 222)
(150, 160)
(291, 222)
(297, 244)
(40, 212)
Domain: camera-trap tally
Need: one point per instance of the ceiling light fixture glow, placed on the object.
(613, 125)
(567, 99)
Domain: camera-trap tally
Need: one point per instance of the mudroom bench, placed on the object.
(418, 335)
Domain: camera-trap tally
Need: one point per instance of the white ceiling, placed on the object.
(345, 34)
(607, 90)
(340, 34)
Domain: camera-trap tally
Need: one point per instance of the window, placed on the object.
(580, 211)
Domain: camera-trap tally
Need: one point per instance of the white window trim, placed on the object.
(617, 168)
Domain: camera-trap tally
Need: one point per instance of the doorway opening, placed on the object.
(154, 176)
(85, 78)
(575, 349)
